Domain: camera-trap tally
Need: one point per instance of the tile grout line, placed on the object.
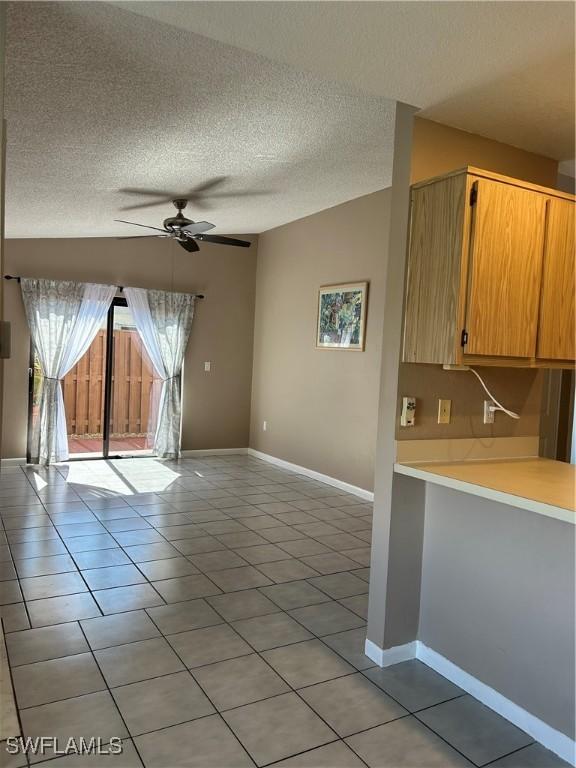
(227, 548)
(319, 638)
(442, 738)
(10, 672)
(204, 573)
(113, 700)
(294, 690)
(216, 710)
(63, 542)
(12, 560)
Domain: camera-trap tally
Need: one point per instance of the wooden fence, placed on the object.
(132, 377)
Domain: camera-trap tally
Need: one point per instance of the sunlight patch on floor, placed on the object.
(123, 476)
(37, 481)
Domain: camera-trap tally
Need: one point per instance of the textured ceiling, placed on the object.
(285, 100)
(501, 69)
(99, 99)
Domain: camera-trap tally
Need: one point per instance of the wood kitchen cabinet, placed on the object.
(557, 332)
(490, 276)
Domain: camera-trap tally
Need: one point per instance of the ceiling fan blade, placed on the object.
(205, 186)
(241, 193)
(223, 240)
(189, 245)
(197, 227)
(162, 196)
(150, 204)
(139, 237)
(148, 192)
(147, 226)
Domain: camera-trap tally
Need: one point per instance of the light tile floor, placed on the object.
(211, 612)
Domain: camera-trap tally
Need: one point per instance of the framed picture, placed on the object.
(342, 316)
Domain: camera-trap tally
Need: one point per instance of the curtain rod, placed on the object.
(120, 287)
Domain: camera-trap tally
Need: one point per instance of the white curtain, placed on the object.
(164, 320)
(64, 317)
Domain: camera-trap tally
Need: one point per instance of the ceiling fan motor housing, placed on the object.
(178, 221)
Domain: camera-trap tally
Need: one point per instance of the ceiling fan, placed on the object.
(185, 231)
(201, 196)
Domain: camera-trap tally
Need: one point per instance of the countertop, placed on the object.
(540, 485)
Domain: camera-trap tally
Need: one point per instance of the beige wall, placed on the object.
(320, 405)
(216, 404)
(518, 389)
(437, 149)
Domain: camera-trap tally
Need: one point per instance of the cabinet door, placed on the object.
(504, 270)
(433, 274)
(556, 331)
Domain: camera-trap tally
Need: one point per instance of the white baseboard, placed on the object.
(385, 657)
(12, 462)
(334, 482)
(214, 452)
(549, 737)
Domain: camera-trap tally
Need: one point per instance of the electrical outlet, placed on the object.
(264, 426)
(489, 409)
(444, 408)
(207, 366)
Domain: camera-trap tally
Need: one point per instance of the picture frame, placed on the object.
(341, 320)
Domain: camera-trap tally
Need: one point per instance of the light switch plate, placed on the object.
(207, 366)
(444, 408)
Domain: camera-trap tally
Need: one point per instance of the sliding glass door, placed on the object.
(133, 385)
(111, 395)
